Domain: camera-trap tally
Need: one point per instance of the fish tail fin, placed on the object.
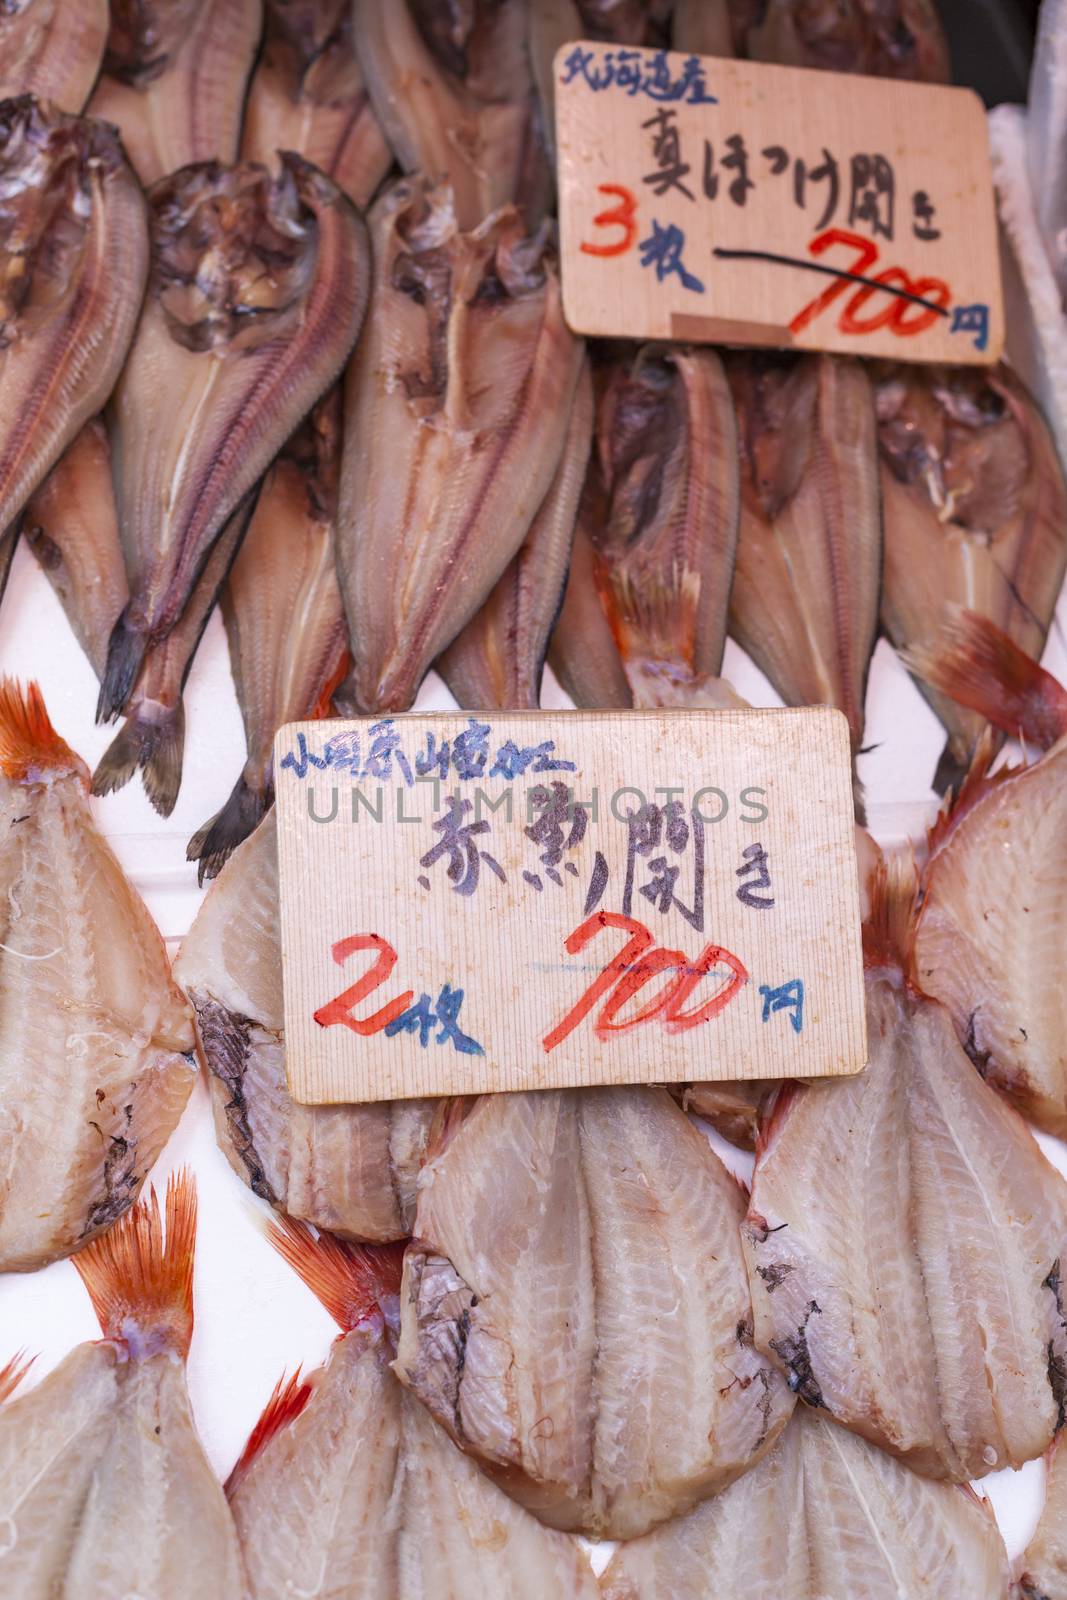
(12, 1375)
(976, 781)
(154, 743)
(977, 664)
(323, 706)
(216, 841)
(656, 619)
(889, 931)
(139, 1274)
(288, 1399)
(29, 745)
(125, 654)
(350, 1280)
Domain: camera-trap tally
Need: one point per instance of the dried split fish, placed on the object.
(104, 1484)
(308, 95)
(575, 1310)
(975, 511)
(905, 1238)
(73, 260)
(96, 1048)
(582, 650)
(348, 1168)
(879, 38)
(47, 53)
(824, 1516)
(256, 296)
(498, 660)
(347, 1480)
(174, 79)
(456, 412)
(1044, 1566)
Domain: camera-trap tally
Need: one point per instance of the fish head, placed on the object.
(144, 37)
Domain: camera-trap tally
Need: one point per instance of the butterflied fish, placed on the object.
(46, 52)
(174, 79)
(582, 650)
(73, 260)
(451, 85)
(975, 514)
(992, 934)
(456, 411)
(1044, 1566)
(349, 1168)
(575, 1310)
(96, 1048)
(256, 295)
(824, 1516)
(284, 619)
(104, 1484)
(498, 660)
(905, 1234)
(348, 1481)
(308, 95)
(880, 38)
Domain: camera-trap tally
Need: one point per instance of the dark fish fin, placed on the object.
(950, 771)
(156, 746)
(8, 540)
(224, 1041)
(125, 653)
(216, 841)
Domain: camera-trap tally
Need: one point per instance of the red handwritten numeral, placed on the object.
(339, 1010)
(900, 316)
(621, 216)
(866, 256)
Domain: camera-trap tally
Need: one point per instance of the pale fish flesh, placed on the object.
(46, 52)
(1044, 1566)
(1046, 136)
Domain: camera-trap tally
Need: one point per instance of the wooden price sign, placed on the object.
(525, 900)
(730, 202)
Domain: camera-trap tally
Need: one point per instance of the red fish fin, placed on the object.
(889, 931)
(12, 1375)
(323, 706)
(978, 665)
(288, 1399)
(449, 1116)
(774, 1113)
(139, 1274)
(350, 1280)
(29, 745)
(977, 783)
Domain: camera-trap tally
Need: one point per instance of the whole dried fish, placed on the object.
(575, 1310)
(308, 95)
(348, 1168)
(823, 1516)
(498, 660)
(104, 1482)
(905, 1235)
(174, 79)
(880, 38)
(73, 260)
(809, 557)
(1044, 1566)
(975, 514)
(346, 1478)
(95, 1052)
(450, 83)
(256, 296)
(47, 53)
(456, 413)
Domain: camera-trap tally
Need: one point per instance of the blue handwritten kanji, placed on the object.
(425, 1015)
(972, 319)
(662, 251)
(637, 72)
(787, 997)
(513, 760)
(303, 758)
(457, 842)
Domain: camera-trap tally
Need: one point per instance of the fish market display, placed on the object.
(905, 1237)
(44, 53)
(308, 95)
(452, 90)
(809, 556)
(582, 650)
(975, 510)
(499, 658)
(1044, 1566)
(73, 260)
(96, 1048)
(174, 79)
(575, 1312)
(824, 1516)
(348, 1168)
(257, 292)
(347, 1484)
(284, 619)
(881, 38)
(104, 1483)
(457, 406)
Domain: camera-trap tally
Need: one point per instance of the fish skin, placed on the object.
(804, 603)
(210, 393)
(498, 660)
(174, 78)
(1046, 126)
(602, 1220)
(307, 94)
(703, 27)
(67, 322)
(879, 38)
(1044, 1565)
(456, 411)
(820, 1512)
(95, 1060)
(975, 510)
(349, 1168)
(43, 53)
(582, 651)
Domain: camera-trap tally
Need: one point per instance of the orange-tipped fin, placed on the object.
(351, 1280)
(139, 1273)
(12, 1375)
(30, 748)
(889, 931)
(977, 783)
(287, 1401)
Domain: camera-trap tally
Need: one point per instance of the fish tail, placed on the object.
(288, 1399)
(29, 745)
(889, 931)
(12, 1375)
(981, 667)
(125, 655)
(155, 744)
(351, 1280)
(216, 841)
(139, 1274)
